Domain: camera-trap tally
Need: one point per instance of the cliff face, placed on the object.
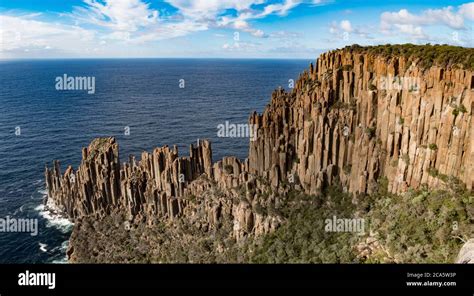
(94, 187)
(163, 186)
(359, 116)
(352, 118)
(151, 186)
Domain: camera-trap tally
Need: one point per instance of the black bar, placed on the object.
(88, 279)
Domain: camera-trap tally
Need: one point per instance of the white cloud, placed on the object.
(168, 31)
(286, 35)
(346, 26)
(444, 16)
(202, 9)
(412, 24)
(467, 10)
(415, 32)
(135, 21)
(110, 26)
(214, 12)
(118, 15)
(281, 8)
(24, 34)
(240, 46)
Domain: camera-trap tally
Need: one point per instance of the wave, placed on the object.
(43, 192)
(63, 249)
(42, 247)
(54, 217)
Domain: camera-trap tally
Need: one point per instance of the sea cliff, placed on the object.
(359, 119)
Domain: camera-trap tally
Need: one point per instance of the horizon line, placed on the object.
(156, 58)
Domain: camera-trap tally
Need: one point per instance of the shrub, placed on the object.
(347, 68)
(433, 172)
(424, 55)
(229, 169)
(406, 158)
(347, 169)
(370, 131)
(416, 227)
(458, 109)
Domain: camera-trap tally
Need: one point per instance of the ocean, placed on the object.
(144, 103)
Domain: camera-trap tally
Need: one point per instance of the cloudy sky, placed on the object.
(223, 28)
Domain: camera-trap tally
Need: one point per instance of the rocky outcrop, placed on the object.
(151, 186)
(466, 254)
(352, 118)
(359, 116)
(161, 186)
(94, 187)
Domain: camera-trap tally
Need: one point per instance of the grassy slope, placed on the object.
(428, 55)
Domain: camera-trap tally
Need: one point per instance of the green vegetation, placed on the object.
(433, 146)
(433, 172)
(406, 158)
(229, 169)
(427, 55)
(303, 239)
(97, 146)
(370, 131)
(347, 68)
(443, 177)
(352, 105)
(458, 109)
(347, 169)
(420, 226)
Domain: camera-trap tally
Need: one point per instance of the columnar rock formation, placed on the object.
(94, 187)
(152, 185)
(353, 117)
(360, 116)
(159, 186)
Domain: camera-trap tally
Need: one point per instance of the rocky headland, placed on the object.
(378, 133)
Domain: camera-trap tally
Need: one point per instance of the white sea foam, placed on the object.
(42, 247)
(63, 248)
(54, 217)
(43, 192)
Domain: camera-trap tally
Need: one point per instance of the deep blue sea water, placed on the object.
(143, 94)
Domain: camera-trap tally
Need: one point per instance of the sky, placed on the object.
(223, 28)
